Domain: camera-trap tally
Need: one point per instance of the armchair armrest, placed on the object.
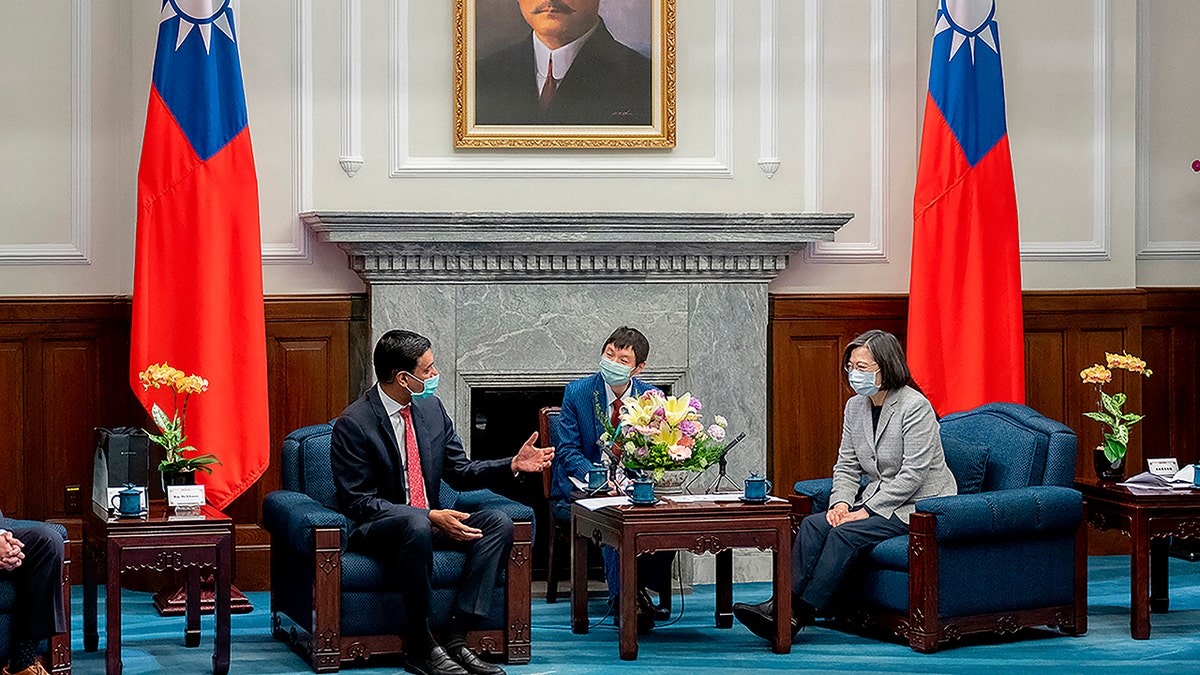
(1004, 513)
(293, 516)
(13, 523)
(817, 491)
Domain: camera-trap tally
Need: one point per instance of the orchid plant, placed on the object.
(1110, 410)
(660, 433)
(171, 434)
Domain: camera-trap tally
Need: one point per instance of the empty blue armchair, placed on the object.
(334, 606)
(1008, 552)
(57, 652)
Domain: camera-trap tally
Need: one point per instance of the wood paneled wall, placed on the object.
(64, 370)
(1064, 333)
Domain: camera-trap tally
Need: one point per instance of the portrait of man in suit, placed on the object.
(390, 451)
(567, 68)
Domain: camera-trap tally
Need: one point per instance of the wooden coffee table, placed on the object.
(1148, 519)
(161, 541)
(699, 527)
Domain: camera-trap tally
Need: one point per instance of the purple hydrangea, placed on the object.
(694, 404)
(690, 428)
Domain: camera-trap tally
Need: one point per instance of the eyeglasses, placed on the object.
(863, 367)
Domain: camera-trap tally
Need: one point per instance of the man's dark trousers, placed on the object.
(404, 541)
(38, 610)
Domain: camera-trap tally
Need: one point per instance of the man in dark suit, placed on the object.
(570, 70)
(588, 403)
(390, 451)
(31, 558)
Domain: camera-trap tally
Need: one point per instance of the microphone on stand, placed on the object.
(722, 478)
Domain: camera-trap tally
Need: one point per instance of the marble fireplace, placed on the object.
(526, 299)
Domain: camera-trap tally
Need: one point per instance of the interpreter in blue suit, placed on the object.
(588, 403)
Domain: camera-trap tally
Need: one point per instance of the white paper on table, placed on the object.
(718, 497)
(593, 503)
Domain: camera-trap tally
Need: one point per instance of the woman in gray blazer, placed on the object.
(890, 435)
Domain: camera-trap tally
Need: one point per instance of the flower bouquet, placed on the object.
(660, 433)
(172, 436)
(1110, 411)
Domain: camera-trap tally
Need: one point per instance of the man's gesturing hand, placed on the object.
(451, 522)
(532, 459)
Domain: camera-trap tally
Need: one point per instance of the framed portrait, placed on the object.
(564, 73)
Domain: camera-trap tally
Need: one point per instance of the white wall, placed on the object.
(1104, 202)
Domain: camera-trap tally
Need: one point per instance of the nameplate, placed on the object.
(185, 495)
(1165, 467)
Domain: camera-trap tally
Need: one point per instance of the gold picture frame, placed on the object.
(618, 92)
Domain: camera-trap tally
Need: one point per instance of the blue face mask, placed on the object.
(430, 387)
(614, 373)
(863, 383)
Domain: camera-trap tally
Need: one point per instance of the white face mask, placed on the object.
(863, 383)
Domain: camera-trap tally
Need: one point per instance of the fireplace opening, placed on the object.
(502, 418)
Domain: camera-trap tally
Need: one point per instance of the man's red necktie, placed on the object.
(549, 87)
(412, 458)
(616, 419)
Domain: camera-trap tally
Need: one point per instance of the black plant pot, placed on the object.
(1109, 471)
(177, 478)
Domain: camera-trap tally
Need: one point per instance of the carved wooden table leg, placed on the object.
(724, 613)
(112, 605)
(222, 609)
(628, 599)
(91, 635)
(191, 631)
(782, 577)
(1159, 585)
(579, 618)
(1139, 580)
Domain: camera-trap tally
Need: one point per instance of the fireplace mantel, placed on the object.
(522, 247)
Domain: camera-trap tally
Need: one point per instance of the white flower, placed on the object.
(721, 421)
(716, 432)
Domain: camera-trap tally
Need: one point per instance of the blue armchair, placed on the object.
(335, 606)
(57, 655)
(1008, 552)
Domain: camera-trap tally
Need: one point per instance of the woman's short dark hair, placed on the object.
(632, 338)
(888, 354)
(397, 351)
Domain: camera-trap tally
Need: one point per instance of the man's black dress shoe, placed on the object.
(463, 656)
(647, 607)
(644, 622)
(760, 618)
(434, 662)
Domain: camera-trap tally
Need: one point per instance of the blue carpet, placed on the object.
(692, 646)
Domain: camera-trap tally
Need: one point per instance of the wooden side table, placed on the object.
(699, 527)
(1148, 518)
(162, 542)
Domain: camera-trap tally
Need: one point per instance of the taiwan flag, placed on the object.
(197, 291)
(965, 334)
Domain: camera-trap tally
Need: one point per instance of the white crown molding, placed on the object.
(873, 251)
(479, 165)
(79, 250)
(299, 250)
(351, 156)
(1098, 248)
(1147, 248)
(768, 89)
